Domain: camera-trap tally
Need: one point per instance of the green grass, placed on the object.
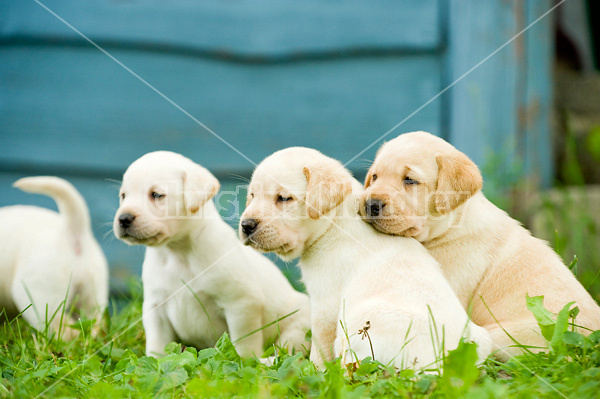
(113, 365)
(574, 234)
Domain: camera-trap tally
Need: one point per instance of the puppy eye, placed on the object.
(374, 177)
(408, 181)
(157, 196)
(122, 196)
(281, 198)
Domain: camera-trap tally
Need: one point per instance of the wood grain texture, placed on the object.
(536, 106)
(263, 75)
(482, 105)
(75, 108)
(501, 109)
(268, 29)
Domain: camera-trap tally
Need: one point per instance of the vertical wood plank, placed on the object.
(482, 104)
(535, 107)
(500, 110)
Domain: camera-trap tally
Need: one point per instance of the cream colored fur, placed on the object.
(48, 257)
(306, 205)
(487, 256)
(199, 280)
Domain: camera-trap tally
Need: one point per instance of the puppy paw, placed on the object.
(267, 361)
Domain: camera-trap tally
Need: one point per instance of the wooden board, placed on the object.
(75, 109)
(242, 29)
(499, 113)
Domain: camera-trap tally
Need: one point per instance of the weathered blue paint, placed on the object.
(263, 75)
(109, 118)
(487, 107)
(536, 106)
(269, 29)
(482, 104)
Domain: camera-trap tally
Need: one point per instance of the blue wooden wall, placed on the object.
(262, 75)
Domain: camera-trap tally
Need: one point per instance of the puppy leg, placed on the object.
(159, 331)
(46, 307)
(525, 332)
(323, 342)
(481, 337)
(241, 321)
(91, 306)
(294, 339)
(294, 329)
(316, 356)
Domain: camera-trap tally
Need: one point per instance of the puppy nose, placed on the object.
(125, 220)
(249, 226)
(373, 207)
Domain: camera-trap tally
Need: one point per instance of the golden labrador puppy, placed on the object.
(421, 186)
(304, 204)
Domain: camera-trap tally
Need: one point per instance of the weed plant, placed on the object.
(113, 365)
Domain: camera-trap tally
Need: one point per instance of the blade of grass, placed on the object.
(266, 326)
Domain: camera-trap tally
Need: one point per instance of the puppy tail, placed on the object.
(71, 204)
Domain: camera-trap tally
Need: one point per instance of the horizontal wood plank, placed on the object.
(258, 28)
(75, 109)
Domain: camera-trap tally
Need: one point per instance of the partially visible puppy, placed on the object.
(421, 186)
(199, 280)
(304, 204)
(51, 260)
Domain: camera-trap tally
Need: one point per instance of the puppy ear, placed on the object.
(458, 179)
(199, 186)
(369, 178)
(324, 192)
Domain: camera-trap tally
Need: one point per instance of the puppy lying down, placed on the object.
(421, 186)
(47, 258)
(199, 280)
(304, 204)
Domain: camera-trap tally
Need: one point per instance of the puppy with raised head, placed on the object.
(199, 280)
(421, 186)
(47, 258)
(304, 204)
